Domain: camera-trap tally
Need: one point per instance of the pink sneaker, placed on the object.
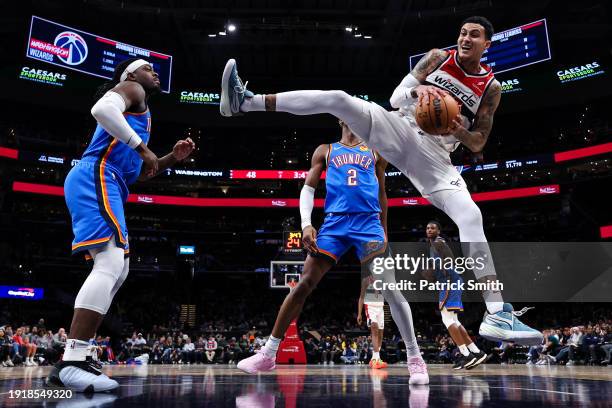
(257, 363)
(418, 371)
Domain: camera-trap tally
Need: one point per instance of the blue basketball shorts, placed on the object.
(95, 194)
(340, 232)
(450, 298)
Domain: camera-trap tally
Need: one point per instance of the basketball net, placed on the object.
(291, 285)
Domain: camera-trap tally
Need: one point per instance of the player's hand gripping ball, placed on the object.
(434, 115)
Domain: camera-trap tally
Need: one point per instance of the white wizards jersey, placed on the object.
(467, 89)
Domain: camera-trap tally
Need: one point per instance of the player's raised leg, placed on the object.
(264, 360)
(236, 99)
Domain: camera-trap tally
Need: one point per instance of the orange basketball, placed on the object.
(436, 116)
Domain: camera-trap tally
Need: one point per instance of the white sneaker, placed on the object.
(9, 363)
(80, 376)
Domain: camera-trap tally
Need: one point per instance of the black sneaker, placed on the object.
(479, 358)
(463, 361)
(80, 376)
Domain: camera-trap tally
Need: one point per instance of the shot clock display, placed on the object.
(292, 242)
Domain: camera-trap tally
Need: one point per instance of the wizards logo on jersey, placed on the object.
(352, 186)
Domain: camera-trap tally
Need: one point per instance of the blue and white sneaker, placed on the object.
(504, 326)
(233, 91)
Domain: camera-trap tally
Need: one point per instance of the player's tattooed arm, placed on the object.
(413, 85)
(381, 166)
(428, 63)
(476, 139)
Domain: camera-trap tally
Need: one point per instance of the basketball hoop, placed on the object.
(291, 285)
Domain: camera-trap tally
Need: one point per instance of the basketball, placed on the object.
(436, 116)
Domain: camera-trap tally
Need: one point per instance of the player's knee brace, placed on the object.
(122, 278)
(97, 291)
(449, 318)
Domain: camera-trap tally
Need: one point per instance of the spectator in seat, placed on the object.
(199, 350)
(313, 355)
(59, 340)
(138, 344)
(211, 349)
(569, 350)
(327, 350)
(606, 346)
(590, 343)
(188, 353)
(233, 351)
(349, 354)
(5, 349)
(167, 353)
(26, 349)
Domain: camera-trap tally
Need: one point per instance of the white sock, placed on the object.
(256, 103)
(494, 306)
(271, 346)
(76, 350)
(472, 347)
(375, 355)
(464, 350)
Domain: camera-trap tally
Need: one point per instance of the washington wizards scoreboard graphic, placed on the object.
(78, 50)
(514, 48)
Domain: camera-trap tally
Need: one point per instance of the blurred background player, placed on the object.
(423, 158)
(450, 300)
(95, 191)
(356, 215)
(373, 302)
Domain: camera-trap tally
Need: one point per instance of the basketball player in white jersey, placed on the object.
(423, 158)
(373, 302)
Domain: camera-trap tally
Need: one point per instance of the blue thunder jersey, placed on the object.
(352, 186)
(117, 154)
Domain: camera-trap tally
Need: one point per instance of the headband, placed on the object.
(132, 67)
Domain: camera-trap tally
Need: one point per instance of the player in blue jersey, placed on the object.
(95, 191)
(356, 216)
(449, 301)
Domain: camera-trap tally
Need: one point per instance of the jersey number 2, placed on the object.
(352, 177)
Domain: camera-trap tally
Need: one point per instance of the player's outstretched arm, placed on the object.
(318, 163)
(411, 88)
(476, 139)
(181, 150)
(381, 166)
